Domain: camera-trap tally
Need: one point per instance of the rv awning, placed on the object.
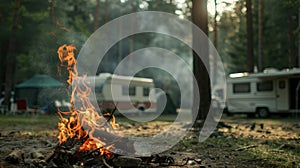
(276, 74)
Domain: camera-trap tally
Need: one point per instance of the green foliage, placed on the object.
(279, 20)
(45, 25)
(42, 28)
(232, 38)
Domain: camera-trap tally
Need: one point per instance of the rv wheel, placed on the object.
(141, 108)
(263, 112)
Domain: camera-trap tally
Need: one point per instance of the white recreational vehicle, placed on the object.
(271, 91)
(137, 97)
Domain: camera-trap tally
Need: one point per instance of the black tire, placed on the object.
(263, 112)
(141, 108)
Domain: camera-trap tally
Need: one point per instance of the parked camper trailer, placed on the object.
(264, 93)
(135, 98)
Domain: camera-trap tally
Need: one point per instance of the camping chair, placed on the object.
(21, 105)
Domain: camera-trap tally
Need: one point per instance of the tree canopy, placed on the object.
(42, 26)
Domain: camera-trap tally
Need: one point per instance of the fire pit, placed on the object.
(78, 126)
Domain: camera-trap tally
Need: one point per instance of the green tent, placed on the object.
(40, 90)
(40, 81)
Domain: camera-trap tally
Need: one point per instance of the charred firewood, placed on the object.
(119, 143)
(69, 153)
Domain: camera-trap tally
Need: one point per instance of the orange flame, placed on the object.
(72, 127)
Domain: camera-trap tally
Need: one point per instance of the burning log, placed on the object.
(66, 158)
(78, 145)
(119, 143)
(85, 136)
(69, 153)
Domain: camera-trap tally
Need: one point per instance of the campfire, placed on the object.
(87, 137)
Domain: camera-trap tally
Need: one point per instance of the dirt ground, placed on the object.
(238, 142)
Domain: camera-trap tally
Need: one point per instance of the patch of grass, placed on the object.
(164, 118)
(275, 153)
(23, 120)
(264, 154)
(274, 119)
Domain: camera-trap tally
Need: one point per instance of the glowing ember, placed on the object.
(71, 127)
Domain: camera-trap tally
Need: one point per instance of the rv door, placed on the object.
(282, 94)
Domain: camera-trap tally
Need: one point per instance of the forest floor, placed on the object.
(240, 142)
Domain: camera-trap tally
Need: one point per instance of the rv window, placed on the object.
(132, 91)
(241, 87)
(128, 91)
(146, 91)
(264, 86)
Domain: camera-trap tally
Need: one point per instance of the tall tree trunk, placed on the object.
(2, 56)
(51, 11)
(10, 57)
(3, 53)
(260, 35)
(120, 50)
(105, 5)
(200, 19)
(215, 25)
(299, 37)
(215, 62)
(250, 54)
(131, 38)
(96, 17)
(292, 41)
